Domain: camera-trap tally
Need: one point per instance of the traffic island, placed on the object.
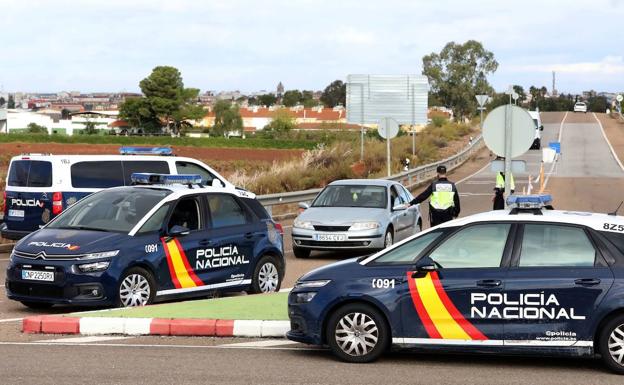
(263, 315)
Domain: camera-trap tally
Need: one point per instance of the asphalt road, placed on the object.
(585, 178)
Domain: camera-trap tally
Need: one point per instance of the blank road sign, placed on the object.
(522, 130)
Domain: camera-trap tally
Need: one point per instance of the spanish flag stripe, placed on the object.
(472, 331)
(420, 309)
(443, 320)
(178, 266)
(189, 269)
(174, 278)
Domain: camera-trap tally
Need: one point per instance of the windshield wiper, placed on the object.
(83, 228)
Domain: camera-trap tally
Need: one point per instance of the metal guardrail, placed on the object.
(409, 179)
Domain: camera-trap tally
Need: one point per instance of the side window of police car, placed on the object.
(192, 168)
(477, 246)
(546, 245)
(187, 213)
(226, 211)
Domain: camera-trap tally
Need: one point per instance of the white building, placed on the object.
(18, 121)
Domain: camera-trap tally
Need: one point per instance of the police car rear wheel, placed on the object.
(267, 276)
(357, 333)
(611, 344)
(136, 288)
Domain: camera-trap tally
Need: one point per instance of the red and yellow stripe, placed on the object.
(437, 312)
(182, 275)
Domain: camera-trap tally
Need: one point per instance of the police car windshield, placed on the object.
(117, 210)
(352, 196)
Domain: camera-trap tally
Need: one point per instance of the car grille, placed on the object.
(36, 290)
(331, 228)
(335, 244)
(44, 255)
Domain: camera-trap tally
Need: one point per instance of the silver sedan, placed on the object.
(356, 214)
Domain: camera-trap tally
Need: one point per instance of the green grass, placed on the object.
(160, 141)
(245, 307)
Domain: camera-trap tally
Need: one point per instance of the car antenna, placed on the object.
(616, 210)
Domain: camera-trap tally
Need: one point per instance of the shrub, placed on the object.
(438, 121)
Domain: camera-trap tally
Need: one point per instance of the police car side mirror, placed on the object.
(178, 231)
(423, 266)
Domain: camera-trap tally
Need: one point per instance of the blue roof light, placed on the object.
(131, 150)
(536, 201)
(149, 178)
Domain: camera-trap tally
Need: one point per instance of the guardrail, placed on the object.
(409, 179)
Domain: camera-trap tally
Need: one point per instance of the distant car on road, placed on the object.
(356, 214)
(580, 107)
(539, 127)
(523, 281)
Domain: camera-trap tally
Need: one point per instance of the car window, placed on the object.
(192, 168)
(155, 222)
(187, 213)
(395, 197)
(226, 211)
(473, 247)
(407, 197)
(30, 173)
(555, 245)
(132, 166)
(352, 196)
(407, 252)
(100, 174)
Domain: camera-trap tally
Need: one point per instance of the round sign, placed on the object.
(522, 130)
(388, 128)
(619, 98)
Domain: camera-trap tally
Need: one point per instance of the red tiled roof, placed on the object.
(119, 123)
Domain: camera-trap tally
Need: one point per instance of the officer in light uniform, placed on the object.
(443, 199)
(499, 190)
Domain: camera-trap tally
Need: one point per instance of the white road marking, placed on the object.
(4, 259)
(287, 290)
(470, 176)
(474, 194)
(552, 168)
(82, 340)
(10, 320)
(259, 344)
(2, 343)
(608, 143)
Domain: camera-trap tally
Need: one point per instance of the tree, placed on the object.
(34, 128)
(227, 118)
(138, 113)
(597, 104)
(334, 94)
(291, 98)
(267, 99)
(458, 73)
(281, 121)
(2, 101)
(307, 99)
(521, 94)
(11, 102)
(65, 114)
(90, 128)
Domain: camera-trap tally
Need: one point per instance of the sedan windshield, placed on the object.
(352, 196)
(117, 210)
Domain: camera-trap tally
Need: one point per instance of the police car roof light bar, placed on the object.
(150, 178)
(529, 203)
(131, 150)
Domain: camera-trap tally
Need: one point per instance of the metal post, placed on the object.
(362, 123)
(413, 123)
(388, 156)
(508, 112)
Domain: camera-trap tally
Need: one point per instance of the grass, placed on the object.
(267, 307)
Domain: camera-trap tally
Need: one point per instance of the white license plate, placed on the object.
(33, 275)
(16, 213)
(331, 237)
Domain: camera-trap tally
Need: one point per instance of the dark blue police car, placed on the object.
(166, 237)
(518, 281)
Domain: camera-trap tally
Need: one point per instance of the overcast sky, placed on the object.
(110, 45)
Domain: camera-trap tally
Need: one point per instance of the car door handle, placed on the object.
(249, 235)
(587, 281)
(205, 242)
(489, 283)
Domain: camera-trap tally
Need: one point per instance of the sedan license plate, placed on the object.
(331, 237)
(16, 213)
(34, 275)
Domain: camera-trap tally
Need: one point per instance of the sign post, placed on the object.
(482, 99)
(388, 128)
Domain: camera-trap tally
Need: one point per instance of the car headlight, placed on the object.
(93, 267)
(102, 254)
(311, 284)
(303, 225)
(304, 297)
(364, 226)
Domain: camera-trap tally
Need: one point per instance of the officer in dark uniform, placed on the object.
(443, 199)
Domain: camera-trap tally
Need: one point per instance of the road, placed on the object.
(585, 178)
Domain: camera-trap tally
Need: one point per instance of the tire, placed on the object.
(350, 333)
(267, 276)
(136, 288)
(613, 333)
(37, 305)
(388, 238)
(301, 253)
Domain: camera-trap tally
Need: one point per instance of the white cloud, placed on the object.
(610, 65)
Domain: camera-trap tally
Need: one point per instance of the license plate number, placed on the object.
(331, 237)
(33, 275)
(16, 213)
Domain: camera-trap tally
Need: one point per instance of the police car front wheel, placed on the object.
(357, 333)
(611, 344)
(136, 288)
(267, 277)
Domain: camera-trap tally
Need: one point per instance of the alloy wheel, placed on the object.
(356, 334)
(134, 290)
(616, 344)
(268, 278)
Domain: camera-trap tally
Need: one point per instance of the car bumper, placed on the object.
(14, 235)
(309, 239)
(305, 322)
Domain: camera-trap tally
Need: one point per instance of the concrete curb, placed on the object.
(154, 326)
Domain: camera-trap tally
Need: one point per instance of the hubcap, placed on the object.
(134, 290)
(388, 241)
(268, 278)
(357, 334)
(616, 344)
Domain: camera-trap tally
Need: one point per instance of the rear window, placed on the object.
(257, 208)
(132, 166)
(30, 173)
(616, 239)
(102, 174)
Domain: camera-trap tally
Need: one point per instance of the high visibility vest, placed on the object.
(442, 196)
(500, 181)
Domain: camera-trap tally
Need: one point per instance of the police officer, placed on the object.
(499, 190)
(443, 199)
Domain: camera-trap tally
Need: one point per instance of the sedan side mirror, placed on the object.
(303, 206)
(542, 127)
(178, 231)
(402, 206)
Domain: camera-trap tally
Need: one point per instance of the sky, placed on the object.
(251, 45)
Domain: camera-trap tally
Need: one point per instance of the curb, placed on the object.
(154, 326)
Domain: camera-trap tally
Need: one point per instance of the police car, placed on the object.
(41, 186)
(523, 281)
(166, 237)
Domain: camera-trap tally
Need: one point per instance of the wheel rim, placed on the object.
(268, 278)
(134, 290)
(388, 240)
(356, 334)
(616, 344)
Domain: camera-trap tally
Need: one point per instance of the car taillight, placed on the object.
(279, 228)
(57, 203)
